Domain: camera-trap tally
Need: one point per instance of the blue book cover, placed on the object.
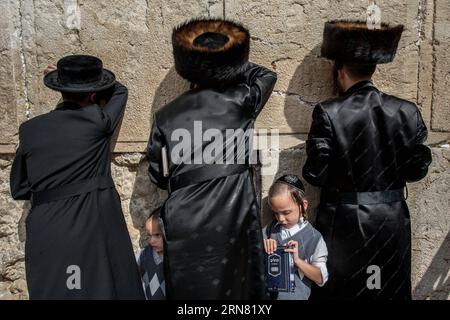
(280, 271)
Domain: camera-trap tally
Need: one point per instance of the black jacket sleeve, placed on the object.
(259, 82)
(154, 156)
(318, 148)
(417, 164)
(19, 185)
(113, 111)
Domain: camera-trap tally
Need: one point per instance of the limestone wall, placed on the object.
(132, 37)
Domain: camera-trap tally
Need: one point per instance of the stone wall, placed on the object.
(132, 37)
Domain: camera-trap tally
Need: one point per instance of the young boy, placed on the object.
(77, 243)
(290, 229)
(150, 259)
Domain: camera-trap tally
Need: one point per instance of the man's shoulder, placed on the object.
(331, 101)
(35, 122)
(333, 105)
(400, 102)
(42, 121)
(175, 105)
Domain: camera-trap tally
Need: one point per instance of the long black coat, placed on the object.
(366, 141)
(65, 147)
(213, 240)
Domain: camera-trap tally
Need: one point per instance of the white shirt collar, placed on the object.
(158, 259)
(287, 233)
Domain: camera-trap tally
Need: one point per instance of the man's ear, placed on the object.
(341, 74)
(93, 97)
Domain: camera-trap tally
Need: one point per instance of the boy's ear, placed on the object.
(305, 204)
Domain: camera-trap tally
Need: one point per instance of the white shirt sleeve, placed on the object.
(264, 230)
(319, 259)
(138, 256)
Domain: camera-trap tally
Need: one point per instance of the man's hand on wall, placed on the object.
(50, 68)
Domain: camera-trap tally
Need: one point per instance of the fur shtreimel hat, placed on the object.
(353, 42)
(210, 52)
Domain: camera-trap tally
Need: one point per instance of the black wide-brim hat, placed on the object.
(353, 42)
(209, 51)
(80, 73)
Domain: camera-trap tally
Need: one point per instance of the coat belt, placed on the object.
(72, 189)
(205, 173)
(364, 198)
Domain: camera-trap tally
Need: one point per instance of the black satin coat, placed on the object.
(213, 240)
(366, 141)
(65, 146)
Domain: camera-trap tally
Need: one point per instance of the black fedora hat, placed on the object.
(80, 73)
(210, 51)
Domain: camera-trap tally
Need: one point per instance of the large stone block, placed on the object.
(441, 64)
(12, 75)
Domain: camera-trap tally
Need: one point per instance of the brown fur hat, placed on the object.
(210, 52)
(352, 42)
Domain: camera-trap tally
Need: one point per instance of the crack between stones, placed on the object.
(224, 9)
(421, 36)
(438, 144)
(254, 38)
(433, 75)
(161, 12)
(80, 43)
(147, 14)
(274, 62)
(24, 64)
(297, 96)
(421, 21)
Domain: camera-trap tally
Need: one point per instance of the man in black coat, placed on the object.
(213, 239)
(362, 149)
(77, 243)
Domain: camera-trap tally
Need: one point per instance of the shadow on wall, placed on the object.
(435, 283)
(21, 227)
(146, 196)
(311, 83)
